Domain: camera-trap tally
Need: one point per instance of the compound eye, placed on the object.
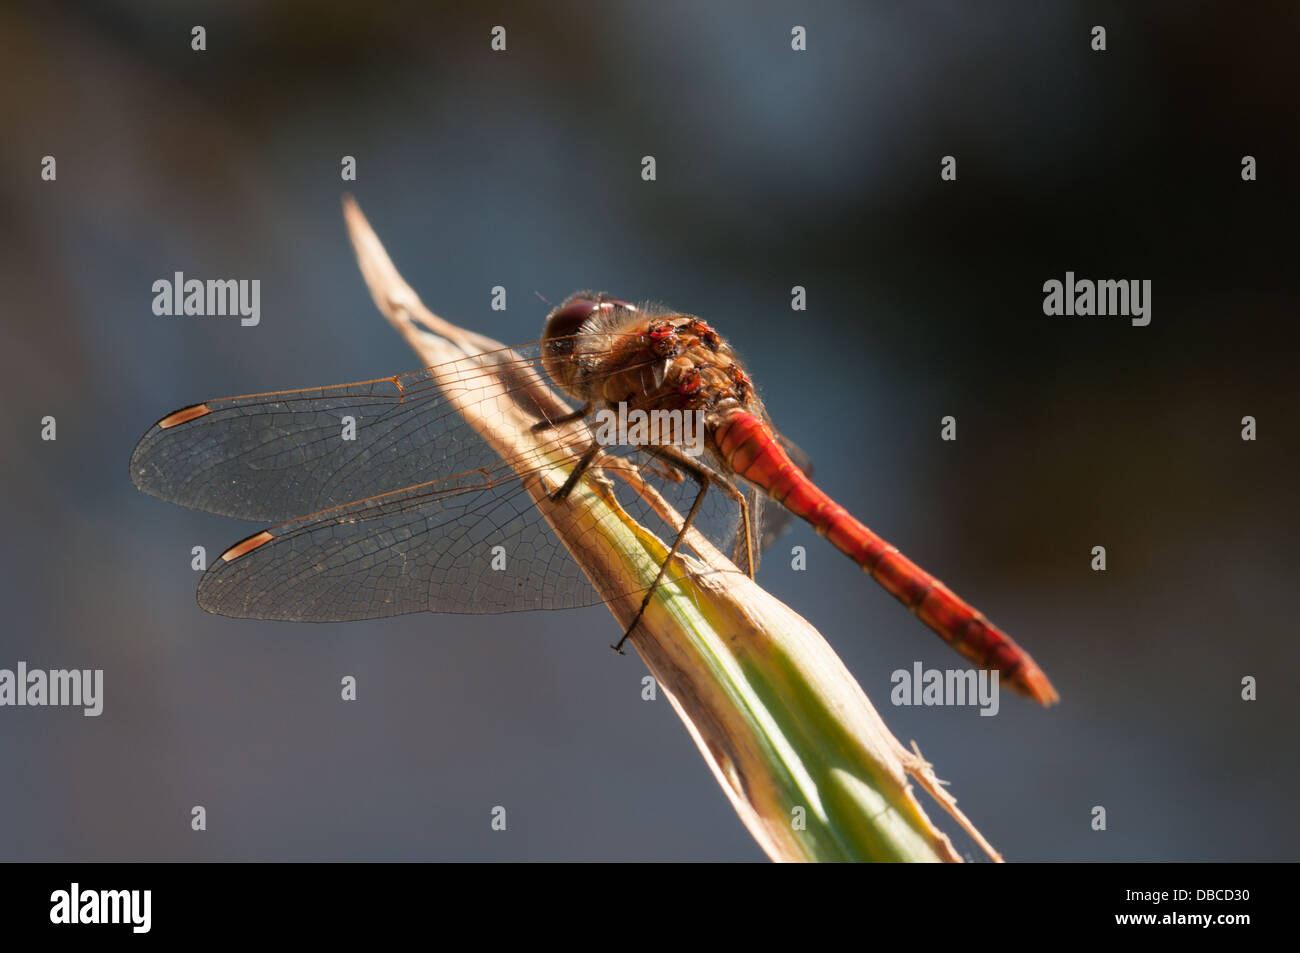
(568, 319)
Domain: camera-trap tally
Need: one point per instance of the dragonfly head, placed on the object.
(563, 349)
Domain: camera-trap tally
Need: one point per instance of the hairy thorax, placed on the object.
(674, 362)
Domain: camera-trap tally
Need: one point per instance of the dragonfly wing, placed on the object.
(424, 548)
(271, 457)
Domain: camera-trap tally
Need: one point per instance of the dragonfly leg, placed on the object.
(578, 414)
(680, 461)
(701, 476)
(583, 464)
(746, 520)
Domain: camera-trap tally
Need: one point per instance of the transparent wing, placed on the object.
(276, 456)
(476, 543)
(471, 548)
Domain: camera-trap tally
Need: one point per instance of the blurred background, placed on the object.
(775, 169)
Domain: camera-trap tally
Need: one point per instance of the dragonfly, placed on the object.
(387, 499)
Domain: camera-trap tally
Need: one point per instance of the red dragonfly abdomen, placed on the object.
(751, 449)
